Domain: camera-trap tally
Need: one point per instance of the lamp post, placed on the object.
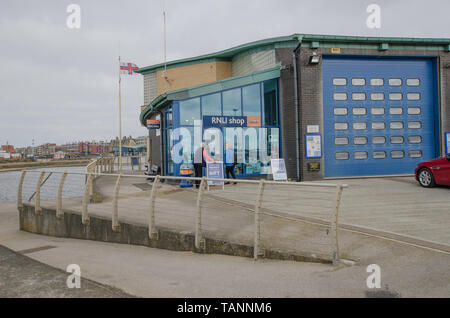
(120, 122)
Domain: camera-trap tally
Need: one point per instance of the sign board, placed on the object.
(335, 50)
(214, 170)
(231, 121)
(447, 143)
(278, 169)
(313, 166)
(153, 124)
(313, 145)
(312, 129)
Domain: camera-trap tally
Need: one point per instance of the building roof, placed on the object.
(309, 40)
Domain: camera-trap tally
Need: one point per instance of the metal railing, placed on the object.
(247, 190)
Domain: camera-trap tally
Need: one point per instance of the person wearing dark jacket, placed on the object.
(200, 162)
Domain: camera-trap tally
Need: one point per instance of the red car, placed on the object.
(433, 172)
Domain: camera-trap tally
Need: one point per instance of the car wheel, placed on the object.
(426, 178)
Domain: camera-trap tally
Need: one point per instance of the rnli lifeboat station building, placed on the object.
(330, 106)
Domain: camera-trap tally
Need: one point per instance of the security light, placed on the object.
(314, 59)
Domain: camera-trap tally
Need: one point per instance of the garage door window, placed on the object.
(342, 155)
(414, 125)
(358, 81)
(397, 139)
(413, 82)
(359, 111)
(361, 155)
(340, 96)
(379, 155)
(360, 140)
(340, 111)
(415, 139)
(340, 126)
(377, 96)
(359, 126)
(339, 81)
(395, 110)
(376, 81)
(395, 96)
(395, 82)
(415, 153)
(341, 141)
(377, 110)
(378, 140)
(414, 111)
(413, 96)
(396, 125)
(397, 154)
(378, 125)
(359, 96)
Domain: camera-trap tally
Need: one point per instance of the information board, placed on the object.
(214, 170)
(278, 169)
(447, 143)
(313, 144)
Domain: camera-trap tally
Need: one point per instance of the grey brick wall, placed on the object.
(255, 62)
(311, 103)
(150, 88)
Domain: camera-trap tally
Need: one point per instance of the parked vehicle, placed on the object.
(434, 172)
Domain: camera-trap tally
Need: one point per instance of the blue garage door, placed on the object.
(379, 115)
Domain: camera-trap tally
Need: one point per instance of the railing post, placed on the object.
(37, 203)
(19, 191)
(115, 215)
(198, 226)
(256, 250)
(86, 198)
(152, 232)
(59, 212)
(139, 163)
(111, 165)
(334, 223)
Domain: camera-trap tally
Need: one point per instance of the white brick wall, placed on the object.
(255, 62)
(150, 88)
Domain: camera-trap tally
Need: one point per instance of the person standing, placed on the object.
(200, 162)
(229, 162)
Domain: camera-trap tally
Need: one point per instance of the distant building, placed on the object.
(8, 148)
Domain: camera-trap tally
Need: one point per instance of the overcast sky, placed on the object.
(60, 85)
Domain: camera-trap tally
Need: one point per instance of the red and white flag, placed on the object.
(128, 68)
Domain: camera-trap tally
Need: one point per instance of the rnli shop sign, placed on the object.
(231, 121)
(153, 124)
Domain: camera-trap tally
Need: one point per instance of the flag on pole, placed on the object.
(128, 68)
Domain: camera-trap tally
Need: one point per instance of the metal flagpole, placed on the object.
(120, 121)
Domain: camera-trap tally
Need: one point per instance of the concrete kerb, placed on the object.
(101, 229)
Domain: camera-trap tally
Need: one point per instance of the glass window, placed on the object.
(395, 82)
(397, 154)
(358, 96)
(360, 155)
(413, 96)
(414, 125)
(415, 139)
(360, 126)
(414, 110)
(395, 110)
(360, 140)
(211, 105)
(232, 102)
(379, 154)
(395, 96)
(358, 81)
(377, 96)
(340, 96)
(340, 111)
(396, 125)
(377, 110)
(271, 103)
(340, 126)
(341, 141)
(415, 153)
(251, 98)
(359, 111)
(413, 82)
(189, 111)
(376, 81)
(378, 140)
(339, 81)
(397, 139)
(342, 155)
(378, 125)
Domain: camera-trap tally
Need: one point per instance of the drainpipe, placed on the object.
(296, 100)
(161, 140)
